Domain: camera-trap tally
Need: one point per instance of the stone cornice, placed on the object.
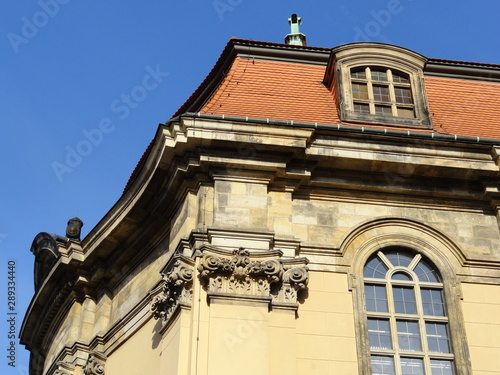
(185, 135)
(291, 139)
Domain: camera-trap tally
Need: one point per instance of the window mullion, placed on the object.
(427, 364)
(423, 331)
(370, 90)
(397, 364)
(414, 262)
(418, 300)
(392, 322)
(392, 94)
(384, 259)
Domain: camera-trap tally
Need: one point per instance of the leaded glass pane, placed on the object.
(359, 91)
(437, 337)
(426, 273)
(361, 108)
(375, 268)
(383, 110)
(404, 300)
(432, 301)
(381, 93)
(403, 95)
(406, 112)
(379, 334)
(398, 258)
(382, 365)
(400, 77)
(379, 75)
(376, 298)
(360, 74)
(401, 276)
(412, 366)
(442, 367)
(408, 335)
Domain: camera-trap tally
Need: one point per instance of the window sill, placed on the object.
(386, 120)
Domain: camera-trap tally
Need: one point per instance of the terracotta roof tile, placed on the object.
(294, 91)
(464, 107)
(276, 90)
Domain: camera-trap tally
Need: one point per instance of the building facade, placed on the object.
(306, 211)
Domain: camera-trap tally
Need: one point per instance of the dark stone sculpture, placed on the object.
(74, 229)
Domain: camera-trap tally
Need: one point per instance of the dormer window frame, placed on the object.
(354, 57)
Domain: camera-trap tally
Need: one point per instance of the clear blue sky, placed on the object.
(67, 65)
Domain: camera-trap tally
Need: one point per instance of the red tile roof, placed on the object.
(294, 91)
(224, 62)
(464, 107)
(275, 90)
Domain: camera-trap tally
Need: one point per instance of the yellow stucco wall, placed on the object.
(325, 327)
(139, 355)
(481, 309)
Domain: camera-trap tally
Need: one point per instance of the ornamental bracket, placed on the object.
(176, 288)
(95, 364)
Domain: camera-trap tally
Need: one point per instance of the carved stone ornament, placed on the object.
(177, 290)
(239, 276)
(95, 364)
(294, 280)
(63, 368)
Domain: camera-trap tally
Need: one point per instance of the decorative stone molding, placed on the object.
(253, 275)
(95, 364)
(294, 280)
(239, 275)
(63, 368)
(177, 289)
(230, 239)
(262, 276)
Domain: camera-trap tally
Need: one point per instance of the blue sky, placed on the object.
(105, 74)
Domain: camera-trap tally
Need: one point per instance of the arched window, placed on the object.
(407, 322)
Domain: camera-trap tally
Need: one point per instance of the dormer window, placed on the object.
(379, 84)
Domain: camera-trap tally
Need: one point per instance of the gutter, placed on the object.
(408, 134)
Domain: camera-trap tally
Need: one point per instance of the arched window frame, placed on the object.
(351, 57)
(414, 344)
(451, 295)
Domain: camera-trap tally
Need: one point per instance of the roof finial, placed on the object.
(295, 37)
